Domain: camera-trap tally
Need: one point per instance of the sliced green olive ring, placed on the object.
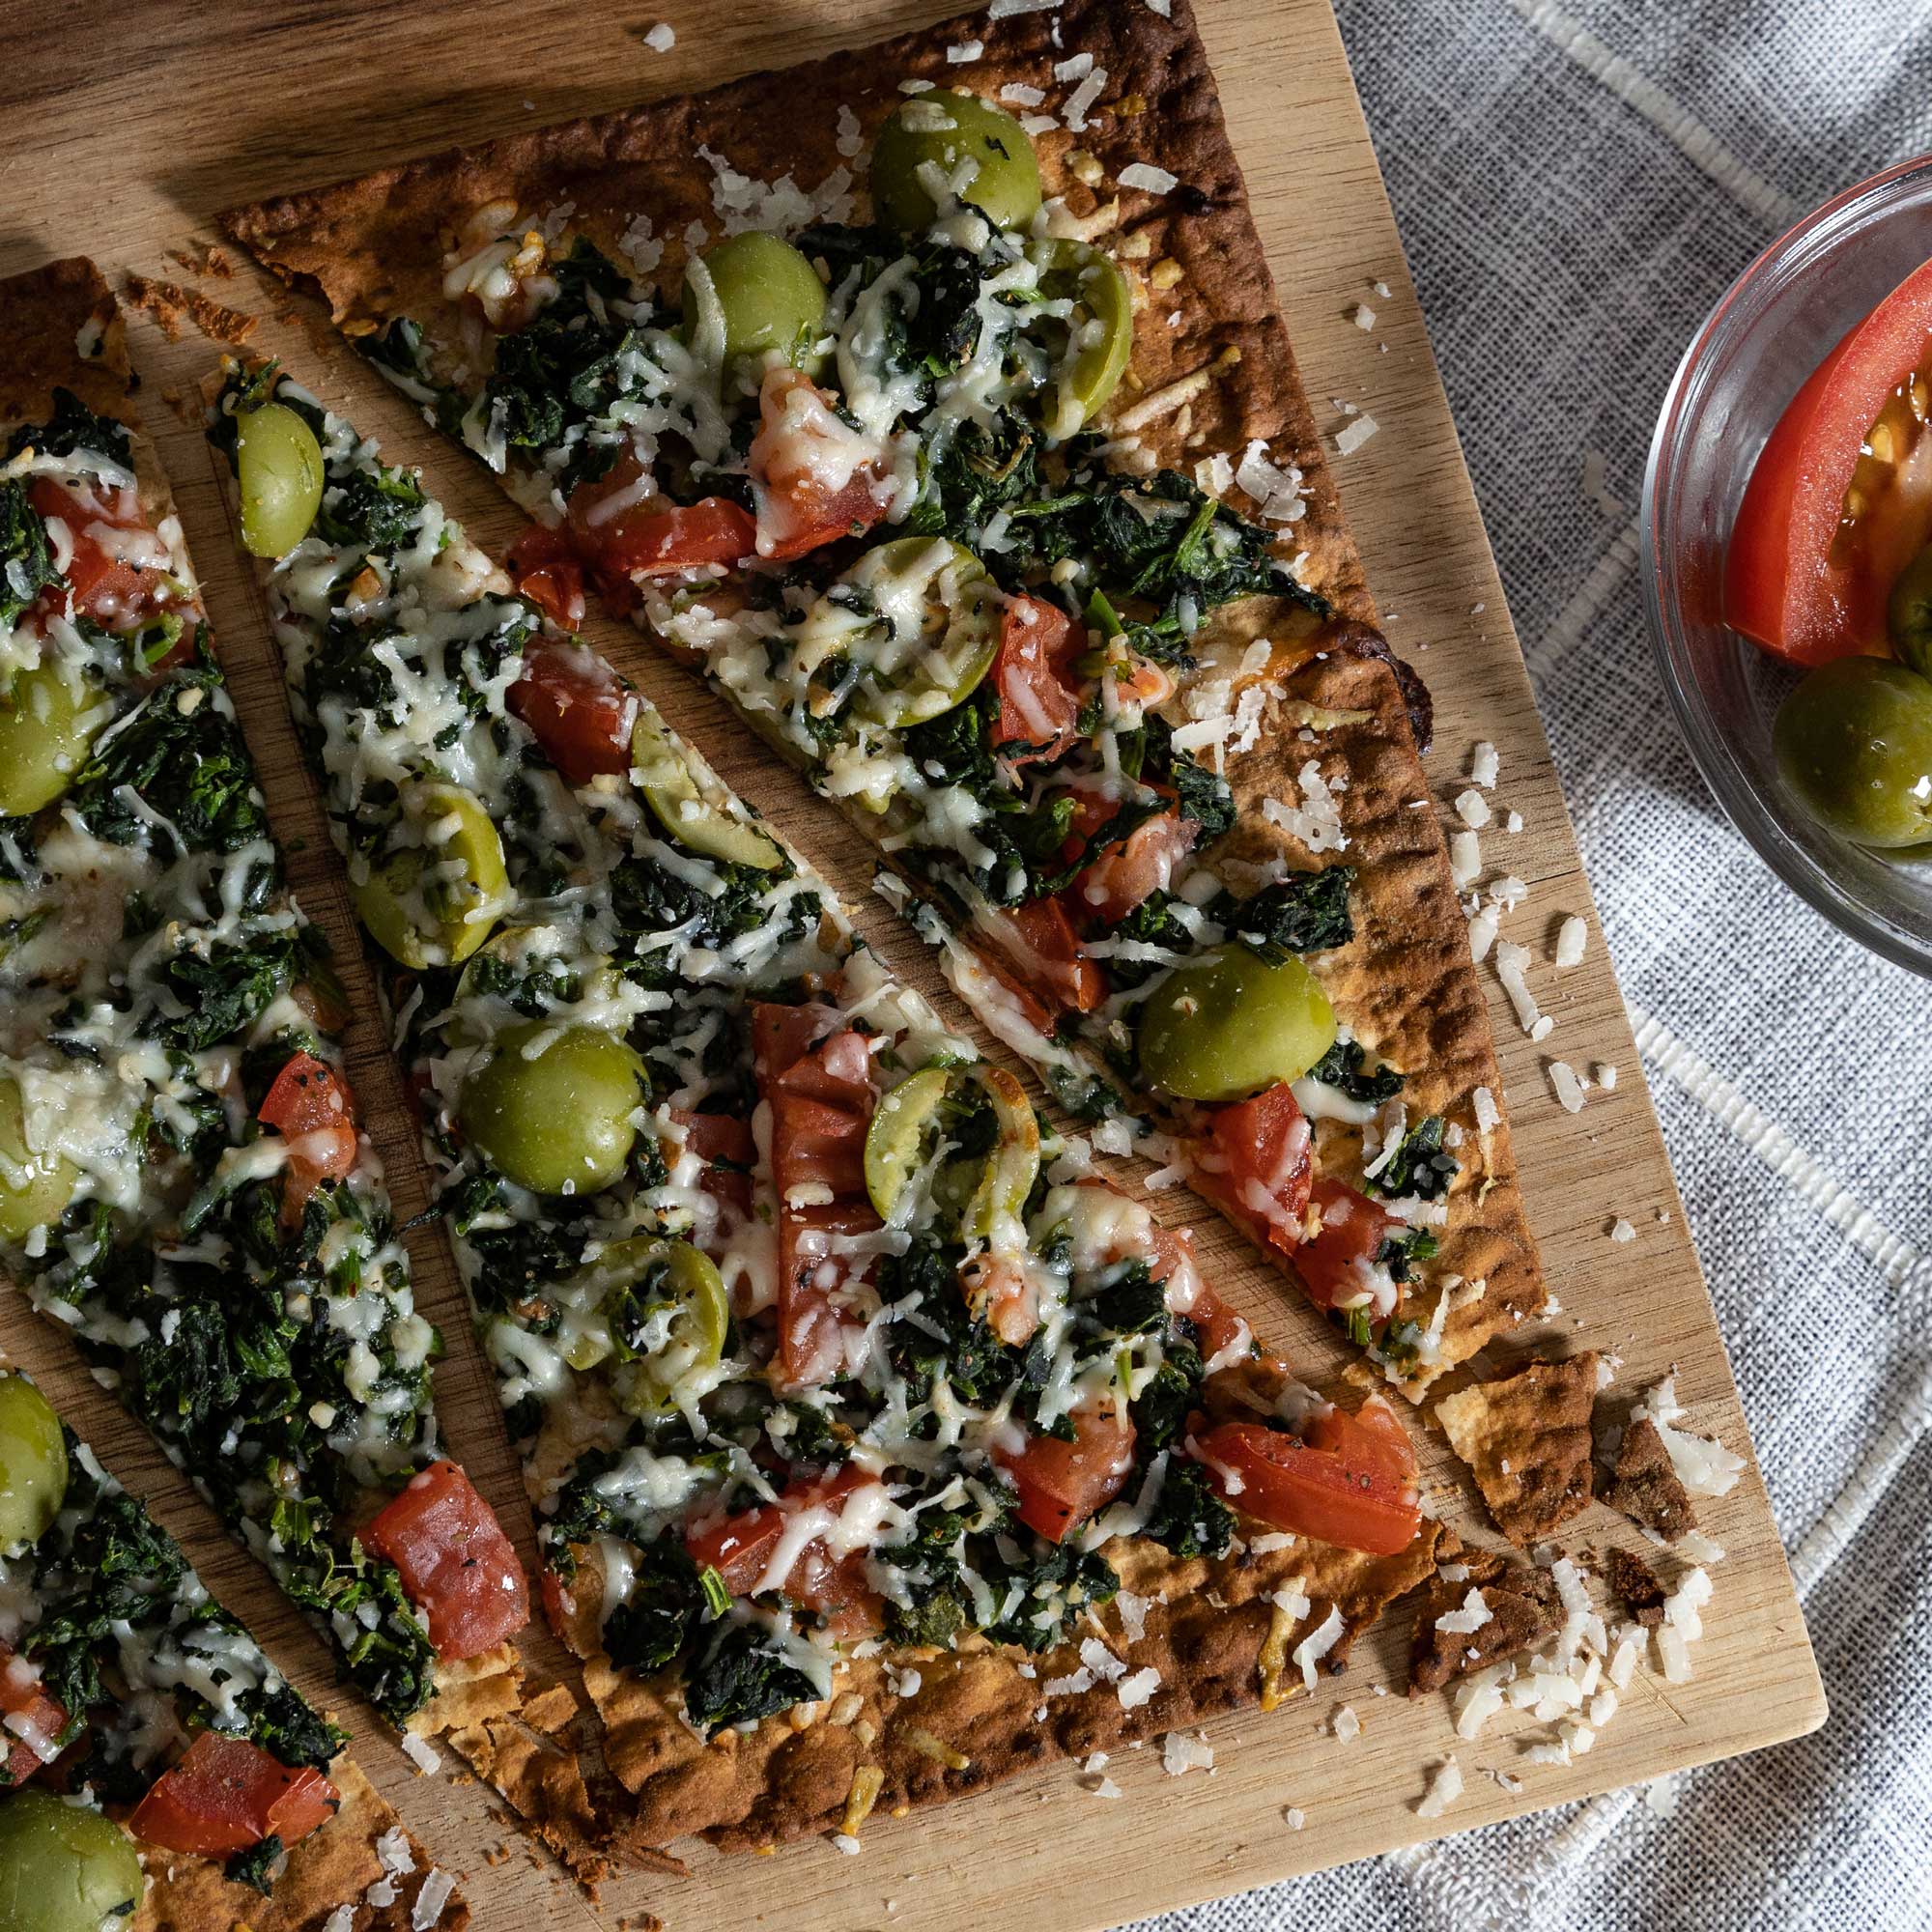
(34, 1187)
(631, 1283)
(32, 1463)
(981, 149)
(769, 295)
(1099, 331)
(278, 471)
(551, 1107)
(909, 1122)
(672, 792)
(46, 726)
(435, 903)
(64, 1867)
(1228, 1025)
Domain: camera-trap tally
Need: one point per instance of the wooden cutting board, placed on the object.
(130, 124)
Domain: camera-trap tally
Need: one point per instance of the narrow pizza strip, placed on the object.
(181, 1179)
(931, 464)
(160, 1769)
(849, 1396)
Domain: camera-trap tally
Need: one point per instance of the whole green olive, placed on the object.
(1854, 741)
(279, 472)
(770, 295)
(64, 1867)
(552, 1106)
(1908, 614)
(46, 725)
(32, 1463)
(1228, 1025)
(35, 1188)
(433, 904)
(983, 150)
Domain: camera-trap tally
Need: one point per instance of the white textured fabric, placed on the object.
(1576, 185)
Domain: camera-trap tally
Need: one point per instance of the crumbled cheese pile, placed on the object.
(1316, 821)
(1276, 491)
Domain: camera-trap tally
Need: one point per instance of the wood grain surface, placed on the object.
(129, 125)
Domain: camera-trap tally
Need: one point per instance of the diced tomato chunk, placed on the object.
(544, 566)
(1188, 1294)
(740, 1547)
(110, 587)
(1033, 677)
(814, 478)
(228, 1794)
(1039, 954)
(1348, 1480)
(1062, 1484)
(455, 1561)
(723, 1143)
(1334, 1262)
(1255, 1160)
(33, 1719)
(623, 528)
(1127, 874)
(578, 709)
(310, 1105)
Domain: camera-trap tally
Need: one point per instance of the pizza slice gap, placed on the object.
(182, 1184)
(879, 1449)
(960, 446)
(160, 1769)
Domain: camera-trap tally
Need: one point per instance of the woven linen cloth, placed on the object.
(1575, 187)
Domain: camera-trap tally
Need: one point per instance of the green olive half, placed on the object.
(552, 1106)
(982, 151)
(46, 725)
(64, 1867)
(770, 297)
(672, 792)
(1231, 1023)
(1854, 741)
(32, 1463)
(1908, 614)
(434, 902)
(35, 1188)
(1098, 338)
(665, 1314)
(278, 471)
(922, 1115)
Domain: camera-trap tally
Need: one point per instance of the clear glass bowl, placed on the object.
(1763, 339)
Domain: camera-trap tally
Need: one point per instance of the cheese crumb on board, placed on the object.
(1444, 1788)
(1363, 317)
(1605, 1075)
(1182, 1753)
(1485, 765)
(1621, 1231)
(1571, 937)
(1512, 967)
(1472, 808)
(1567, 1087)
(662, 38)
(1344, 1724)
(1351, 436)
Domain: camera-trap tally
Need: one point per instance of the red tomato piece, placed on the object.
(1033, 673)
(311, 1107)
(1188, 1293)
(1001, 1296)
(723, 1143)
(1042, 958)
(815, 1077)
(1343, 1482)
(34, 1721)
(117, 590)
(1125, 875)
(740, 1547)
(578, 709)
(1798, 577)
(1062, 1484)
(227, 1794)
(544, 566)
(1255, 1160)
(622, 529)
(1334, 1262)
(454, 1560)
(814, 478)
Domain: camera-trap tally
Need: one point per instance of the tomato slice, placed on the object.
(1062, 1484)
(814, 478)
(544, 567)
(1255, 1161)
(1034, 677)
(1798, 579)
(740, 1547)
(1125, 875)
(33, 1719)
(1221, 1330)
(455, 1561)
(114, 579)
(1344, 1483)
(227, 1794)
(1039, 954)
(578, 709)
(311, 1107)
(820, 1096)
(724, 1142)
(622, 529)
(1334, 1263)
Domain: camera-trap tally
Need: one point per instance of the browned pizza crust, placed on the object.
(1523, 1606)
(1644, 1484)
(1637, 1587)
(1526, 1439)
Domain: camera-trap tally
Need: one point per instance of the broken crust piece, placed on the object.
(1527, 1440)
(974, 1719)
(1523, 1608)
(1645, 1484)
(1637, 1587)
